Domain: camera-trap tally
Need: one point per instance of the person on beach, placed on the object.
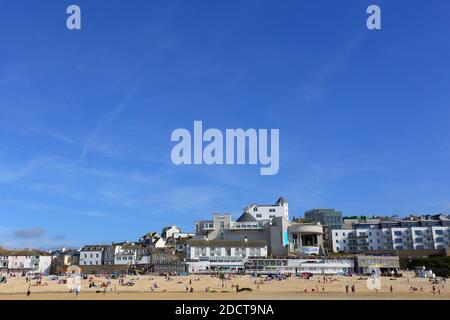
(391, 289)
(346, 289)
(28, 291)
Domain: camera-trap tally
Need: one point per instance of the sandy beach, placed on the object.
(206, 287)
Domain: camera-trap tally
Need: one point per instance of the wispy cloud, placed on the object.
(94, 214)
(64, 139)
(12, 175)
(314, 88)
(94, 137)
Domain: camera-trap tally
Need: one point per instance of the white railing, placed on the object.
(246, 226)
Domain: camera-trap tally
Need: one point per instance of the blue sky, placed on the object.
(86, 116)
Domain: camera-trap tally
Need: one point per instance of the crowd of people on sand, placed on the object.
(226, 282)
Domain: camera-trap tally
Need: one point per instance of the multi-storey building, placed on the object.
(25, 261)
(326, 217)
(413, 233)
(282, 237)
(267, 212)
(97, 255)
(213, 255)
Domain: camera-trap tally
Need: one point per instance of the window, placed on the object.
(440, 232)
(440, 239)
(419, 239)
(255, 209)
(418, 232)
(271, 210)
(222, 225)
(258, 215)
(398, 240)
(397, 233)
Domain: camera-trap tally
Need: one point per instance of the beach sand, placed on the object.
(292, 288)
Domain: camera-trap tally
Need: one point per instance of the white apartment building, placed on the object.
(268, 212)
(91, 255)
(210, 255)
(374, 237)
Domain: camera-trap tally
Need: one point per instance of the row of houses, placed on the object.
(260, 233)
(263, 232)
(24, 261)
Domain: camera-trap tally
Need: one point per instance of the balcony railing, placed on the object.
(246, 226)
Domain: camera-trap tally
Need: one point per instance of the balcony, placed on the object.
(234, 226)
(305, 250)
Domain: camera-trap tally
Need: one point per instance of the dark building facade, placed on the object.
(327, 217)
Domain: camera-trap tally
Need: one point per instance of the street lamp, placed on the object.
(243, 246)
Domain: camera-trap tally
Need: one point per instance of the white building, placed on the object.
(25, 261)
(126, 254)
(213, 255)
(390, 236)
(174, 232)
(92, 255)
(268, 212)
(297, 266)
(45, 263)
